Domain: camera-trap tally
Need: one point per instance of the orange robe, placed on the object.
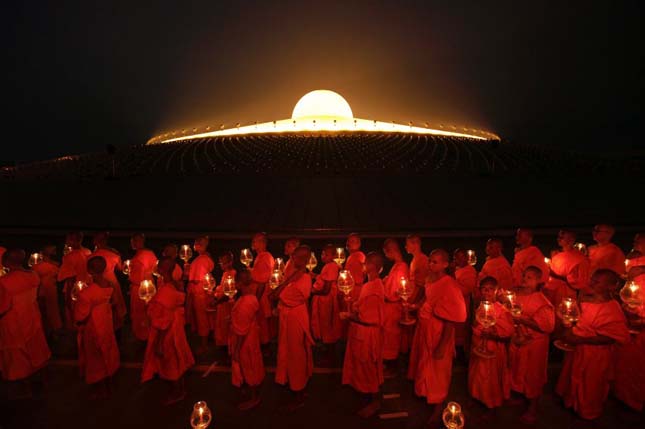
(489, 379)
(48, 294)
(353, 264)
(573, 266)
(261, 273)
(73, 268)
(608, 256)
(529, 361)
(167, 353)
(467, 279)
(443, 302)
(418, 275)
(524, 258)
(113, 262)
(197, 298)
(23, 348)
(500, 270)
(392, 311)
(585, 375)
(244, 325)
(363, 365)
(295, 361)
(98, 353)
(325, 321)
(629, 371)
(142, 265)
(223, 314)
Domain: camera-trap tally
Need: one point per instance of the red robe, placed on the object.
(585, 375)
(167, 353)
(261, 273)
(529, 361)
(489, 379)
(23, 348)
(73, 268)
(524, 258)
(572, 265)
(500, 270)
(295, 361)
(363, 365)
(98, 353)
(418, 275)
(223, 314)
(142, 265)
(467, 279)
(353, 264)
(113, 262)
(197, 298)
(443, 302)
(48, 294)
(392, 311)
(244, 325)
(325, 321)
(608, 256)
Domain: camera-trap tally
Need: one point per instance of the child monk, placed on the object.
(295, 362)
(433, 346)
(47, 270)
(98, 353)
(526, 254)
(73, 269)
(363, 366)
(528, 361)
(113, 263)
(168, 353)
(466, 277)
(489, 379)
(497, 265)
(569, 270)
(142, 265)
(23, 348)
(224, 304)
(246, 354)
(418, 276)
(197, 299)
(584, 379)
(261, 272)
(353, 264)
(325, 321)
(605, 254)
(289, 246)
(393, 308)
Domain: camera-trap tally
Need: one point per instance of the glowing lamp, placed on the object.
(201, 416)
(185, 253)
(35, 259)
(312, 263)
(209, 282)
(228, 287)
(472, 257)
(147, 290)
(246, 257)
(76, 289)
(276, 278)
(632, 295)
(452, 416)
(339, 256)
(485, 316)
(126, 267)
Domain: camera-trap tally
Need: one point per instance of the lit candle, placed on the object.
(547, 261)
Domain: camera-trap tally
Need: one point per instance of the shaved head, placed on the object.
(441, 253)
(376, 259)
(96, 265)
(101, 238)
(605, 280)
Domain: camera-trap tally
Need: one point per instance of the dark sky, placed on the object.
(85, 74)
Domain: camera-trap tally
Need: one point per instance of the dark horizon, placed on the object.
(84, 76)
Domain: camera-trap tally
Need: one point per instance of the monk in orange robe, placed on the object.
(418, 276)
(528, 359)
(433, 346)
(73, 269)
(489, 379)
(246, 353)
(605, 254)
(466, 277)
(261, 272)
(197, 297)
(295, 361)
(98, 353)
(290, 245)
(363, 365)
(497, 265)
(526, 254)
(23, 348)
(325, 320)
(168, 353)
(393, 308)
(142, 265)
(223, 304)
(113, 263)
(569, 270)
(353, 264)
(584, 379)
(47, 270)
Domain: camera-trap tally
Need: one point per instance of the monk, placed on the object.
(569, 270)
(466, 277)
(23, 348)
(528, 360)
(605, 254)
(196, 295)
(73, 269)
(260, 273)
(171, 251)
(113, 263)
(246, 354)
(418, 276)
(489, 379)
(353, 264)
(584, 379)
(47, 270)
(433, 346)
(168, 353)
(295, 361)
(224, 305)
(497, 265)
(393, 308)
(142, 265)
(526, 254)
(98, 353)
(363, 365)
(289, 246)
(325, 321)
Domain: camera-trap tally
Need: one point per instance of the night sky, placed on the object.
(85, 74)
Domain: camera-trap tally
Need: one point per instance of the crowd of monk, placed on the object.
(306, 308)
